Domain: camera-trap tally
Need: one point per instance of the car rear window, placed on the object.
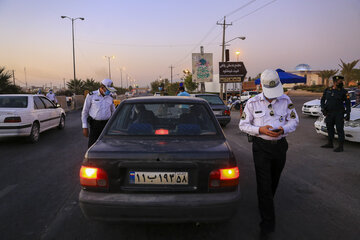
(163, 119)
(13, 101)
(213, 100)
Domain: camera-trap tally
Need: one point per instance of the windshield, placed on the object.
(163, 119)
(213, 100)
(13, 102)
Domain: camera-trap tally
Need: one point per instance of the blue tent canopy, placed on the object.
(286, 77)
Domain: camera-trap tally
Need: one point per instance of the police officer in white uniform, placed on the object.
(98, 108)
(51, 95)
(268, 118)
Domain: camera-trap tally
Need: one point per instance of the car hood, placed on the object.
(315, 102)
(125, 148)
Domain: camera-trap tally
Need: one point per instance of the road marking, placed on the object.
(7, 190)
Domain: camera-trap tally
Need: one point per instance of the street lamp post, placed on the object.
(73, 43)
(109, 57)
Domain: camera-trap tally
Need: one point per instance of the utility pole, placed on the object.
(224, 24)
(121, 76)
(64, 83)
(171, 67)
(25, 78)
(13, 74)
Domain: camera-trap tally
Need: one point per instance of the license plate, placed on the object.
(171, 178)
(217, 112)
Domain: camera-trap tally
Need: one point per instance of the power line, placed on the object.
(263, 6)
(238, 9)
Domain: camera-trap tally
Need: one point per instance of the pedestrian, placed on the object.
(332, 106)
(51, 95)
(357, 93)
(267, 119)
(98, 108)
(182, 92)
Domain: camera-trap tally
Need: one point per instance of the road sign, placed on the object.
(231, 72)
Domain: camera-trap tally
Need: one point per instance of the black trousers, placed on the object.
(269, 159)
(96, 128)
(337, 119)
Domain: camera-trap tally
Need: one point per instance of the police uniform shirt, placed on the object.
(259, 112)
(51, 96)
(97, 106)
(333, 100)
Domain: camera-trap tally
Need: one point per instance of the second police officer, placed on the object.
(98, 108)
(332, 106)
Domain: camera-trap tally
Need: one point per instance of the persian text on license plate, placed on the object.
(177, 178)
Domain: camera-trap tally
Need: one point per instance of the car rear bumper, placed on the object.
(15, 130)
(223, 119)
(159, 207)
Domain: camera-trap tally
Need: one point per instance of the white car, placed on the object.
(157, 94)
(247, 95)
(28, 115)
(351, 128)
(312, 108)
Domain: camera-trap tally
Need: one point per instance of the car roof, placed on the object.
(206, 94)
(19, 95)
(170, 99)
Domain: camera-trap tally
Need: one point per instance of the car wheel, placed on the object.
(223, 124)
(35, 133)
(62, 122)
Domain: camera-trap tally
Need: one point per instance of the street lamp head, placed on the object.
(242, 38)
(63, 16)
(82, 18)
(237, 52)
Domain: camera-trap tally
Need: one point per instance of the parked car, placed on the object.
(351, 128)
(312, 108)
(221, 111)
(28, 115)
(160, 159)
(157, 94)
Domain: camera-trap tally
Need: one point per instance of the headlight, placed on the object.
(317, 106)
(353, 123)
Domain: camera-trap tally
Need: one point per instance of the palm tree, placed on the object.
(91, 84)
(347, 70)
(76, 86)
(5, 85)
(325, 76)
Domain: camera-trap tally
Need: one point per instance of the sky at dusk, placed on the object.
(146, 37)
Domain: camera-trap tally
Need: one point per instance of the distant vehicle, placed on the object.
(28, 115)
(157, 94)
(247, 95)
(351, 128)
(127, 94)
(221, 111)
(160, 159)
(312, 108)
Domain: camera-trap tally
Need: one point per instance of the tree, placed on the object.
(76, 86)
(5, 84)
(189, 84)
(347, 70)
(326, 75)
(91, 84)
(173, 88)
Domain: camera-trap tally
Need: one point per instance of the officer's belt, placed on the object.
(259, 139)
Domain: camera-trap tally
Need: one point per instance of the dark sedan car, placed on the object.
(221, 111)
(160, 159)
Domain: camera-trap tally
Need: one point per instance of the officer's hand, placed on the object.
(347, 117)
(85, 132)
(265, 130)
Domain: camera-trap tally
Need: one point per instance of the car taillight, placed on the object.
(12, 120)
(224, 177)
(227, 112)
(93, 177)
(162, 132)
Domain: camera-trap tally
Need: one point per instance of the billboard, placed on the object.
(230, 72)
(202, 67)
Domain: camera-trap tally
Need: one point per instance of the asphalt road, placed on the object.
(318, 195)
